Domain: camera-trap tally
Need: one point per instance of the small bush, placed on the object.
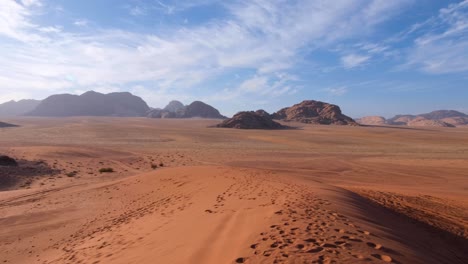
(106, 170)
(161, 164)
(71, 174)
(154, 166)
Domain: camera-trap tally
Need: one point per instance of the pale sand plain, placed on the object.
(316, 194)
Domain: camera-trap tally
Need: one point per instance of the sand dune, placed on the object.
(311, 195)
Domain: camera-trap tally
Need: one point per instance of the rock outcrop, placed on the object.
(372, 120)
(13, 108)
(314, 112)
(251, 120)
(92, 104)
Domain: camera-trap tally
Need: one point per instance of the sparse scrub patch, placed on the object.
(106, 170)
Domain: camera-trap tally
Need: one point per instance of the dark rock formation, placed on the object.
(91, 104)
(251, 120)
(2, 125)
(314, 112)
(7, 161)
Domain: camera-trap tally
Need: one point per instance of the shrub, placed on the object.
(154, 166)
(72, 174)
(106, 170)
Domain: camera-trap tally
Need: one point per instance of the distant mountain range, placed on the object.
(440, 118)
(125, 104)
(13, 108)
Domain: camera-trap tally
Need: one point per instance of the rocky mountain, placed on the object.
(2, 125)
(200, 109)
(176, 109)
(372, 120)
(174, 106)
(439, 118)
(251, 120)
(91, 104)
(314, 112)
(18, 108)
(441, 114)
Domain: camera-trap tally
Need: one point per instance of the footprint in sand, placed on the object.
(383, 257)
(241, 260)
(374, 245)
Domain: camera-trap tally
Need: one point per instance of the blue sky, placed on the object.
(371, 57)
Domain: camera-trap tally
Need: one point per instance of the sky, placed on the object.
(370, 57)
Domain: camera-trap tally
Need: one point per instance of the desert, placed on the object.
(184, 191)
(233, 132)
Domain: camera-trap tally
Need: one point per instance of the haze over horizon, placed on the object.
(369, 57)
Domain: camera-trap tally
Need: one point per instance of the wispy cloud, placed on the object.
(353, 60)
(444, 46)
(338, 91)
(81, 22)
(265, 37)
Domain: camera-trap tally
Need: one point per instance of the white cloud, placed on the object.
(353, 60)
(265, 37)
(50, 29)
(81, 22)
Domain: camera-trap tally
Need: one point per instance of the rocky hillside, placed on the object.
(251, 120)
(91, 104)
(18, 108)
(314, 112)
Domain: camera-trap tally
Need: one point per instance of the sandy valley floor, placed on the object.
(182, 192)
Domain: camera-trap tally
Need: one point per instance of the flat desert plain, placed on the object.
(184, 192)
